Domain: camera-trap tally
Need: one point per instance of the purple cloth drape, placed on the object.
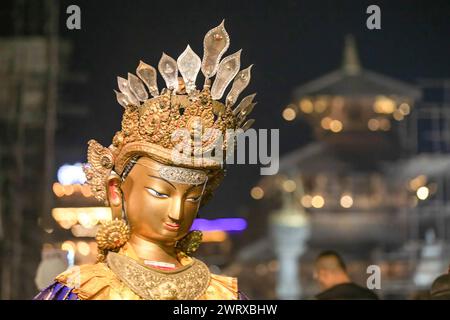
(56, 291)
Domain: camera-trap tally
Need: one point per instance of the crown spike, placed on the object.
(244, 103)
(215, 44)
(189, 64)
(244, 113)
(148, 75)
(240, 82)
(122, 99)
(248, 124)
(168, 68)
(137, 87)
(227, 70)
(125, 89)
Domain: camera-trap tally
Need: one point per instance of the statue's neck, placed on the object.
(149, 251)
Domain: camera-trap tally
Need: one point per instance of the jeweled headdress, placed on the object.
(163, 125)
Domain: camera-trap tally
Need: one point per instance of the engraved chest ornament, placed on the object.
(186, 283)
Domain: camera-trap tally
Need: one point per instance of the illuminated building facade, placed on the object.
(364, 184)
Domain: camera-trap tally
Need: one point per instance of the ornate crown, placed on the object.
(166, 124)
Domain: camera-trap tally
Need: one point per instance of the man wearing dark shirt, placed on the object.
(440, 289)
(331, 274)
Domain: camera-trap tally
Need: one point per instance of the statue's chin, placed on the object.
(165, 238)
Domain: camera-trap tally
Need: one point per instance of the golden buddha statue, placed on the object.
(162, 166)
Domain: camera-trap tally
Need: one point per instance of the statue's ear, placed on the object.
(115, 195)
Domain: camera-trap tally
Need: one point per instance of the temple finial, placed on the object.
(350, 61)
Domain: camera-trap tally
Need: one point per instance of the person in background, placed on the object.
(440, 289)
(331, 274)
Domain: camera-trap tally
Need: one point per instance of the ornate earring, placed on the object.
(111, 236)
(190, 243)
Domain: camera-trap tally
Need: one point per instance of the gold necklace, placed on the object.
(186, 283)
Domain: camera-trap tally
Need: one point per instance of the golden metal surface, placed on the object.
(187, 283)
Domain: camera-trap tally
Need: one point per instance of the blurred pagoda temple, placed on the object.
(364, 184)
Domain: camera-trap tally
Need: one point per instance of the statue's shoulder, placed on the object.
(95, 281)
(77, 275)
(230, 282)
(222, 288)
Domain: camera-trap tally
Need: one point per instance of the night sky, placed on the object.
(289, 43)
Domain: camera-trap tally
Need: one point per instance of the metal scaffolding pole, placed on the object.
(23, 131)
(52, 98)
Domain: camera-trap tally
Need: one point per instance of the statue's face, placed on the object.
(158, 209)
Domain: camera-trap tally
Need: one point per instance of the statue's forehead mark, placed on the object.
(177, 174)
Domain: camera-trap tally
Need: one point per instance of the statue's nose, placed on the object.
(176, 210)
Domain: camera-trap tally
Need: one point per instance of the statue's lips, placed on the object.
(171, 226)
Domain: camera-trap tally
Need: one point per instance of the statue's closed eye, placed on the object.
(194, 199)
(157, 194)
(161, 195)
